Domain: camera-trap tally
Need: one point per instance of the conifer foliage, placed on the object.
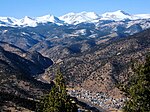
(57, 100)
(139, 89)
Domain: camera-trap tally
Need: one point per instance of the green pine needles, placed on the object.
(139, 89)
(57, 100)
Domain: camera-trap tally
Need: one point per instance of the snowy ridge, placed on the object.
(121, 15)
(117, 16)
(71, 18)
(91, 17)
(28, 21)
(49, 18)
(142, 16)
(76, 18)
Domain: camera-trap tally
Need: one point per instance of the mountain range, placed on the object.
(94, 52)
(70, 18)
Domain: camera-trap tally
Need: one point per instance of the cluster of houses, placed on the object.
(99, 99)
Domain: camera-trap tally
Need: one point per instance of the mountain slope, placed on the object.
(17, 87)
(83, 37)
(33, 62)
(103, 67)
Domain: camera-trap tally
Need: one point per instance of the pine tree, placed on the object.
(139, 90)
(57, 100)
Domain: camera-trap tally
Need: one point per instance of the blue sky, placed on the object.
(33, 8)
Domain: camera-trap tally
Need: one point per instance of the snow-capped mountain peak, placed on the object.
(48, 18)
(27, 21)
(8, 19)
(45, 18)
(76, 18)
(91, 15)
(121, 12)
(117, 15)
